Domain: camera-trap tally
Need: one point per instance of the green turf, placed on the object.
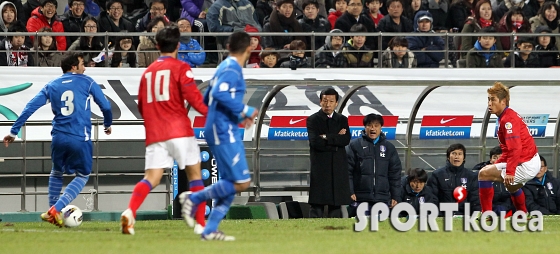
(270, 236)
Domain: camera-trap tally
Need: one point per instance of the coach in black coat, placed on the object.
(328, 134)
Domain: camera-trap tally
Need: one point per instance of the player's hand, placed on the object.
(8, 139)
(108, 131)
(250, 120)
(508, 180)
(353, 197)
(342, 132)
(393, 203)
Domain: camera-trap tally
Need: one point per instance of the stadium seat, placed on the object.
(240, 200)
(462, 63)
(293, 210)
(273, 199)
(269, 207)
(242, 212)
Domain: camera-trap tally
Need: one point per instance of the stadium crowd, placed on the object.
(424, 17)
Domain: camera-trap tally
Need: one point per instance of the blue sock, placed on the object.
(219, 190)
(196, 183)
(217, 214)
(71, 191)
(55, 186)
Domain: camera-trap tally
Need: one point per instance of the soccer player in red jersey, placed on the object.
(519, 162)
(164, 87)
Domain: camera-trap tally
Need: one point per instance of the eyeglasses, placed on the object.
(116, 9)
(49, 6)
(90, 27)
(157, 9)
(78, 4)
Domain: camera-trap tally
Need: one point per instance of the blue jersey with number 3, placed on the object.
(70, 96)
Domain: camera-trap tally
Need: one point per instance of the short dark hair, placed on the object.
(389, 2)
(69, 60)
(495, 151)
(543, 160)
(417, 174)
(111, 2)
(46, 29)
(308, 2)
(526, 39)
(17, 27)
(238, 42)
(168, 38)
(164, 2)
(328, 91)
(358, 28)
(398, 41)
(71, 2)
(371, 118)
(454, 147)
(154, 22)
(297, 45)
(45, 2)
(370, 1)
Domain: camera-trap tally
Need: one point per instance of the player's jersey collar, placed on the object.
(161, 58)
(500, 116)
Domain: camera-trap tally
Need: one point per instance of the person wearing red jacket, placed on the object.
(45, 16)
(519, 162)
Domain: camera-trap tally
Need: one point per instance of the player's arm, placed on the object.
(190, 92)
(103, 104)
(38, 101)
(224, 92)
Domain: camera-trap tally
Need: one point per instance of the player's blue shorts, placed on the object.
(70, 154)
(231, 162)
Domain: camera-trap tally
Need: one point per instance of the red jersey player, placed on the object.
(519, 162)
(164, 87)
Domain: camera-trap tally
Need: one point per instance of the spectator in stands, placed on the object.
(127, 57)
(458, 13)
(411, 7)
(483, 54)
(282, 20)
(546, 47)
(355, 52)
(341, 7)
(439, 10)
(90, 8)
(192, 10)
(263, 9)
(9, 16)
(373, 10)
(502, 197)
(397, 54)
(313, 22)
(28, 7)
(269, 58)
(18, 9)
(415, 191)
(334, 59)
(513, 21)
(47, 54)
(506, 5)
(91, 46)
(222, 16)
(483, 17)
(524, 55)
(13, 51)
(45, 16)
(454, 174)
(297, 57)
(374, 166)
(395, 22)
(255, 58)
(186, 42)
(542, 193)
(158, 8)
(422, 45)
(112, 20)
(300, 10)
(73, 19)
(353, 16)
(328, 134)
(548, 16)
(148, 43)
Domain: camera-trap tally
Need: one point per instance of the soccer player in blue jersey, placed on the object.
(226, 111)
(71, 148)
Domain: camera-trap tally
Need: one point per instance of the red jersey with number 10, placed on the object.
(164, 87)
(516, 142)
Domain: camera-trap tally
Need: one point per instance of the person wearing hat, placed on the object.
(524, 56)
(328, 56)
(428, 50)
(255, 45)
(546, 47)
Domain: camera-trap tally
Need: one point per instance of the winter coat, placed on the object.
(391, 61)
(374, 170)
(295, 62)
(333, 17)
(386, 24)
(443, 182)
(194, 59)
(328, 59)
(48, 59)
(476, 58)
(146, 58)
(263, 10)
(28, 8)
(318, 25)
(506, 5)
(505, 41)
(543, 195)
(191, 9)
(38, 21)
(438, 11)
(10, 58)
(106, 24)
(222, 16)
(329, 166)
(467, 41)
(531, 62)
(425, 59)
(360, 59)
(72, 24)
(426, 195)
(458, 14)
(91, 8)
(346, 21)
(87, 53)
(539, 21)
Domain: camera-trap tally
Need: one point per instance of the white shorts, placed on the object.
(524, 172)
(183, 150)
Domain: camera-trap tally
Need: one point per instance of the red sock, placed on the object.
(486, 194)
(518, 199)
(141, 190)
(201, 208)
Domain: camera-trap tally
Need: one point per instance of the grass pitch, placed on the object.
(271, 236)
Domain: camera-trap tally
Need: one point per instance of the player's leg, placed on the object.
(486, 176)
(58, 151)
(523, 173)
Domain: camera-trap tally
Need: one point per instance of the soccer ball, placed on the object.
(72, 216)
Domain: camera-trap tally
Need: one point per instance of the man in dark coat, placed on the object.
(541, 193)
(374, 166)
(328, 134)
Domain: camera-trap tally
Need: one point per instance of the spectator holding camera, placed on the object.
(297, 58)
